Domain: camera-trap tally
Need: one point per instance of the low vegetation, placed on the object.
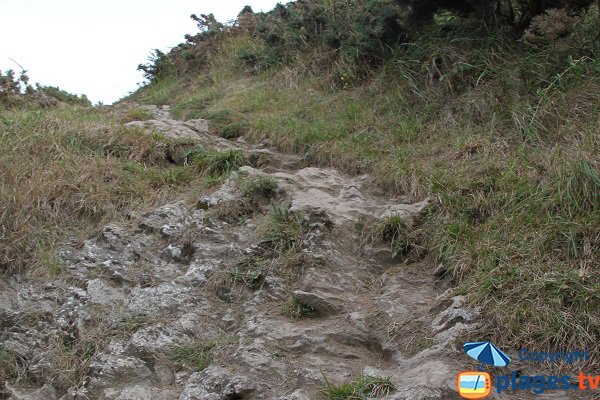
(295, 309)
(363, 388)
(261, 187)
(215, 162)
(8, 365)
(196, 356)
(402, 237)
(282, 230)
(136, 114)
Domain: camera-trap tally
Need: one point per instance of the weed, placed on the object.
(235, 211)
(233, 131)
(363, 388)
(214, 162)
(282, 230)
(249, 273)
(398, 232)
(251, 279)
(294, 308)
(195, 356)
(131, 323)
(262, 187)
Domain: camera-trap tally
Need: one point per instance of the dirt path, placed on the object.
(183, 277)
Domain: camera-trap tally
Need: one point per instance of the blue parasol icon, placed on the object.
(487, 353)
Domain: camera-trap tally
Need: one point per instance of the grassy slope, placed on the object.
(67, 169)
(503, 137)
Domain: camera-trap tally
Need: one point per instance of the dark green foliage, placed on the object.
(492, 12)
(63, 96)
(160, 65)
(16, 91)
(362, 31)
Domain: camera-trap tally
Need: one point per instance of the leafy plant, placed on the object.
(294, 308)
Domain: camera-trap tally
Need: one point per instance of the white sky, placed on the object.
(95, 46)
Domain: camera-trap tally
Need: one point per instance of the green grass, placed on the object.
(196, 357)
(363, 388)
(295, 309)
(281, 230)
(215, 162)
(262, 187)
(234, 130)
(398, 233)
(136, 114)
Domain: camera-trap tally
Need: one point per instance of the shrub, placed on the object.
(550, 26)
(359, 31)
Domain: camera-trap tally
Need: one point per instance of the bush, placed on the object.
(356, 30)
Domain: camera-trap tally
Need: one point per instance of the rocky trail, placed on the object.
(149, 302)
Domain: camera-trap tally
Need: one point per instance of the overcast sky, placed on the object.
(95, 46)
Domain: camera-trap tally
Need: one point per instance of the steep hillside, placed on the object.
(324, 201)
(499, 127)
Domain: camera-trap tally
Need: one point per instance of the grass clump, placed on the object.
(215, 162)
(363, 388)
(136, 114)
(233, 131)
(398, 232)
(282, 230)
(295, 309)
(262, 187)
(131, 323)
(196, 356)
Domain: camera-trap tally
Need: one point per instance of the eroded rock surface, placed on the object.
(174, 278)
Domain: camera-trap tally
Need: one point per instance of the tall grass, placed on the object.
(65, 170)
